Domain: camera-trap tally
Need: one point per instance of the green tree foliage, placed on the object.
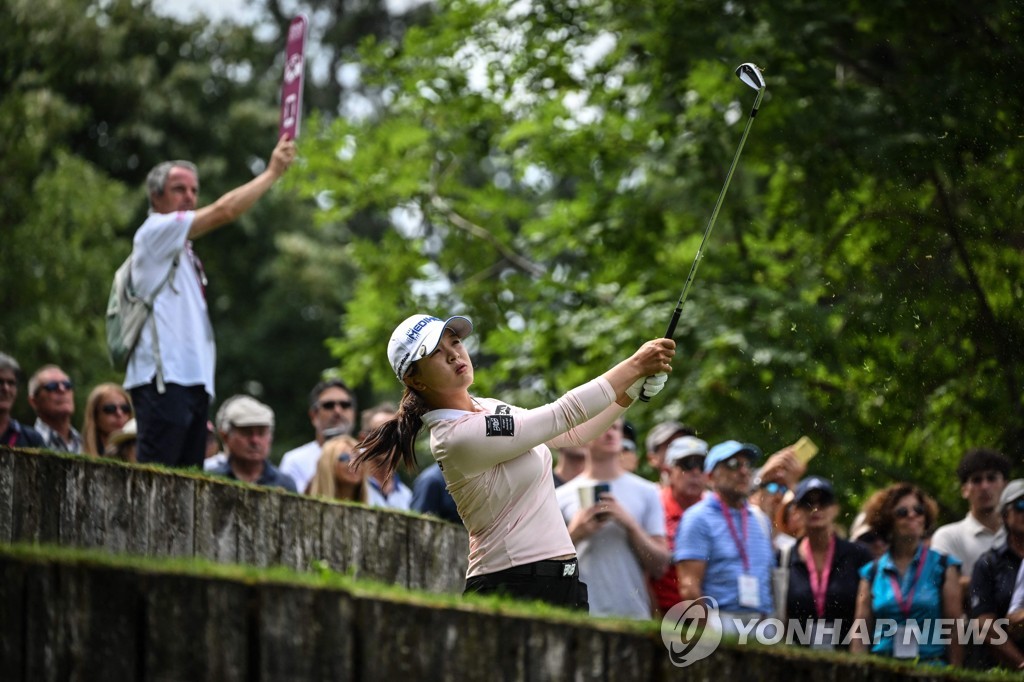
(96, 94)
(548, 168)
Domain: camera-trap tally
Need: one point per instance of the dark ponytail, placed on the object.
(394, 441)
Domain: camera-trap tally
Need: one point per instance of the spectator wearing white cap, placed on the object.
(247, 428)
(723, 547)
(684, 487)
(495, 457)
(992, 584)
(657, 441)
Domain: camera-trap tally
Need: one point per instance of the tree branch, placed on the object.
(515, 259)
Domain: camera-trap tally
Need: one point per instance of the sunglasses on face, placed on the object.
(691, 463)
(814, 502)
(774, 488)
(990, 477)
(345, 457)
(1018, 504)
(111, 408)
(736, 463)
(331, 404)
(904, 512)
(51, 386)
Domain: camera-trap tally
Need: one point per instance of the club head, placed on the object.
(750, 74)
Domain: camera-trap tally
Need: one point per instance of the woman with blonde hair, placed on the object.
(336, 476)
(108, 409)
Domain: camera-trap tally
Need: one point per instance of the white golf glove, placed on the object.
(651, 386)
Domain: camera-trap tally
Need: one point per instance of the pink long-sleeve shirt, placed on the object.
(497, 465)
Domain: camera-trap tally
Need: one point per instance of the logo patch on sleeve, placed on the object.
(500, 425)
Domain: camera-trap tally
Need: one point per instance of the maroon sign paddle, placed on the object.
(291, 86)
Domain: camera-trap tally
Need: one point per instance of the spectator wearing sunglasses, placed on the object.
(910, 582)
(723, 547)
(992, 584)
(823, 568)
(247, 428)
(685, 485)
(336, 477)
(332, 408)
(51, 394)
(983, 474)
(778, 476)
(107, 410)
(13, 433)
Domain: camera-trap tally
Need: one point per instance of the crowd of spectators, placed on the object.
(762, 539)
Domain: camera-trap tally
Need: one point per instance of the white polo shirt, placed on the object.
(967, 540)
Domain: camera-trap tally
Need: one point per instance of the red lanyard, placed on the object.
(897, 591)
(819, 581)
(732, 531)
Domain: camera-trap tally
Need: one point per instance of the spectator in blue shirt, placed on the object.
(911, 586)
(430, 495)
(723, 549)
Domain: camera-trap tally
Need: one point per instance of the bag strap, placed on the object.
(161, 387)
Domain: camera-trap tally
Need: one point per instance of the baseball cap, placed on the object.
(685, 446)
(661, 434)
(1011, 492)
(728, 450)
(243, 410)
(418, 336)
(812, 484)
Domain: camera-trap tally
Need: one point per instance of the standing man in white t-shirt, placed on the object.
(620, 538)
(172, 397)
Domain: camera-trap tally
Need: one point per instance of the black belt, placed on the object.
(549, 568)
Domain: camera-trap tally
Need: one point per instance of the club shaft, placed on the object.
(711, 225)
(711, 222)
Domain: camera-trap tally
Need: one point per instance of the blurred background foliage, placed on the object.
(547, 168)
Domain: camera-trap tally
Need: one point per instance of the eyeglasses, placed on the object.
(904, 512)
(736, 463)
(773, 488)
(13, 383)
(345, 457)
(990, 477)
(52, 386)
(691, 463)
(111, 408)
(331, 404)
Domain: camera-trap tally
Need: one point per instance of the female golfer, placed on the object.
(495, 456)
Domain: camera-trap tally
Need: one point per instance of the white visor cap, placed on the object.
(418, 336)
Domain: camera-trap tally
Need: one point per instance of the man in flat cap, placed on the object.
(247, 428)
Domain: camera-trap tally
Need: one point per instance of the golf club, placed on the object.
(751, 75)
